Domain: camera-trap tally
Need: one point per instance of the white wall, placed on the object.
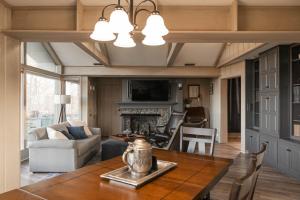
(219, 102)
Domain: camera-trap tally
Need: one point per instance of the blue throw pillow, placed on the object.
(77, 132)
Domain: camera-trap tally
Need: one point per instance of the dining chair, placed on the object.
(241, 188)
(259, 156)
(198, 138)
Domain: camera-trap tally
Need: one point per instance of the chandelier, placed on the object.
(121, 24)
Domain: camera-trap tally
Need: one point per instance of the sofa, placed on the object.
(48, 155)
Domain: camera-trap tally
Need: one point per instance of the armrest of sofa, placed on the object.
(96, 131)
(60, 144)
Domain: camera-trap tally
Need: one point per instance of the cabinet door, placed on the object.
(272, 80)
(273, 114)
(295, 162)
(252, 141)
(263, 64)
(272, 60)
(271, 153)
(264, 82)
(289, 158)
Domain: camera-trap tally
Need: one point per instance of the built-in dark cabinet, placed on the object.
(279, 107)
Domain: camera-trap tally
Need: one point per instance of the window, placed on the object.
(73, 109)
(40, 109)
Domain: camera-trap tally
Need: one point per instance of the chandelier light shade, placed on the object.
(122, 23)
(102, 31)
(124, 40)
(155, 25)
(119, 21)
(153, 40)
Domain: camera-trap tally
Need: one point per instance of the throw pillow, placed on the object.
(67, 134)
(77, 132)
(55, 135)
(81, 123)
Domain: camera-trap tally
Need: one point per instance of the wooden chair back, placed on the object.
(198, 137)
(259, 156)
(241, 188)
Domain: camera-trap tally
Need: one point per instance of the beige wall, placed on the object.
(219, 101)
(204, 93)
(9, 107)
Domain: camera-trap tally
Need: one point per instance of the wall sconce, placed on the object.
(179, 86)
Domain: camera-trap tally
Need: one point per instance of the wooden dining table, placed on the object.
(192, 178)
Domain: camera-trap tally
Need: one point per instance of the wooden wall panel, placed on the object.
(175, 17)
(44, 18)
(109, 95)
(281, 18)
(235, 50)
(9, 107)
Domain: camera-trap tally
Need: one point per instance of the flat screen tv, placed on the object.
(149, 90)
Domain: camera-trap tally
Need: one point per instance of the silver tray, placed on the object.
(123, 175)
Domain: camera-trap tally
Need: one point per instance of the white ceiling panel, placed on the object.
(140, 55)
(71, 55)
(200, 54)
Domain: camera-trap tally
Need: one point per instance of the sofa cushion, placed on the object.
(85, 145)
(60, 127)
(77, 132)
(81, 123)
(55, 135)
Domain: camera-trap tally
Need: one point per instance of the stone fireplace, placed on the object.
(144, 117)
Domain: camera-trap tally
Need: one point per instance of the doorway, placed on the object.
(234, 110)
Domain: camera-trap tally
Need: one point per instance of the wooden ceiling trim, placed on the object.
(89, 48)
(4, 3)
(220, 54)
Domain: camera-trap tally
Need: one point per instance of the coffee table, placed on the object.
(193, 178)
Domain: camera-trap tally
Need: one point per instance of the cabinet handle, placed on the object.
(288, 150)
(266, 142)
(267, 86)
(251, 136)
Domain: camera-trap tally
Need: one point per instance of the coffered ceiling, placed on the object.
(160, 2)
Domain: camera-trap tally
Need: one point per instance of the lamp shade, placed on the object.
(124, 40)
(155, 25)
(62, 99)
(153, 40)
(102, 31)
(119, 21)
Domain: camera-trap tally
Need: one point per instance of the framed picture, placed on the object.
(194, 91)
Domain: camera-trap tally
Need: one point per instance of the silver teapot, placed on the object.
(138, 157)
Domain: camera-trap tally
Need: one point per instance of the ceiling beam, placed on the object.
(104, 50)
(172, 37)
(90, 48)
(144, 71)
(79, 14)
(234, 15)
(174, 53)
(53, 55)
(220, 54)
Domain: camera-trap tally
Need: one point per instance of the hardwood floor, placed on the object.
(271, 184)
